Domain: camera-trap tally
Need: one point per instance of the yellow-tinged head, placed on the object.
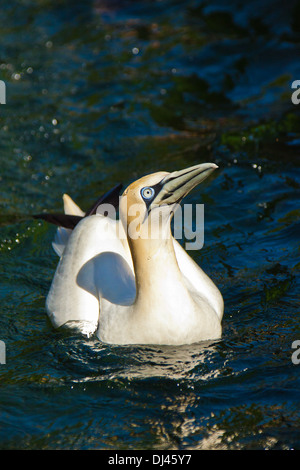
(148, 203)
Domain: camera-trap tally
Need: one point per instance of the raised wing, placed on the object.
(73, 215)
(94, 264)
(197, 281)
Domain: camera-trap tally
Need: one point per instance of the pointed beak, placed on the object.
(175, 186)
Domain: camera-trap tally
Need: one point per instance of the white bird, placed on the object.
(127, 286)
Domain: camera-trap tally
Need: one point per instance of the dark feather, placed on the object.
(62, 220)
(70, 221)
(111, 197)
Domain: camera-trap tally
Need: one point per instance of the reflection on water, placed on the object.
(161, 383)
(103, 92)
(169, 362)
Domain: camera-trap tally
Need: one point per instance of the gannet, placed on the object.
(132, 288)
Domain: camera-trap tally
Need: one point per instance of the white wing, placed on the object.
(95, 263)
(62, 234)
(70, 207)
(60, 241)
(197, 281)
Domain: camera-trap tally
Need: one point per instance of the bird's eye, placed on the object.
(147, 193)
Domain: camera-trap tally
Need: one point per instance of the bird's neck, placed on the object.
(156, 267)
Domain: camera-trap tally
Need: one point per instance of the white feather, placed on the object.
(78, 281)
(62, 234)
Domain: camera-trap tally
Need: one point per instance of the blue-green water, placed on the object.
(102, 92)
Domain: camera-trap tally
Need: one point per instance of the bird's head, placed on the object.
(147, 204)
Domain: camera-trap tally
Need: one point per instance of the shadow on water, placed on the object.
(146, 362)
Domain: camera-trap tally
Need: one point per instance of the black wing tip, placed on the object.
(110, 197)
(61, 220)
(70, 221)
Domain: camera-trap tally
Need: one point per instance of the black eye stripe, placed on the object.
(157, 188)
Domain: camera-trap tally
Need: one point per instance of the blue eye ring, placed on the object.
(147, 193)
